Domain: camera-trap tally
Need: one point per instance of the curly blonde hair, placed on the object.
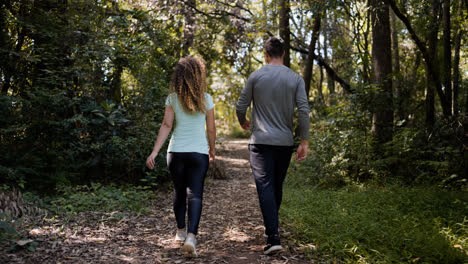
(189, 83)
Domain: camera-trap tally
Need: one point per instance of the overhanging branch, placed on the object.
(321, 62)
(330, 71)
(433, 74)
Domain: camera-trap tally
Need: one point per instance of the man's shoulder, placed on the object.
(294, 74)
(257, 72)
(284, 71)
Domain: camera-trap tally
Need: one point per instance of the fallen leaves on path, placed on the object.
(231, 229)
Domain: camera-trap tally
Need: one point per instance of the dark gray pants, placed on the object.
(269, 167)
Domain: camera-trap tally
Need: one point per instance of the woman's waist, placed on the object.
(189, 134)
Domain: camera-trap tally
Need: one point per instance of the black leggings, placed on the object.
(188, 170)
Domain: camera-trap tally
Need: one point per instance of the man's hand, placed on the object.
(301, 153)
(246, 125)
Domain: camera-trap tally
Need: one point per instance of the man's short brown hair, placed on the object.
(274, 47)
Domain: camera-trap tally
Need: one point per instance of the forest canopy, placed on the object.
(83, 84)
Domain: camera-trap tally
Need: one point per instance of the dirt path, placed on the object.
(231, 229)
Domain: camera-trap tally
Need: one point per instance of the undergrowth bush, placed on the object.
(7, 229)
(342, 151)
(100, 198)
(435, 157)
(100, 143)
(378, 224)
(340, 148)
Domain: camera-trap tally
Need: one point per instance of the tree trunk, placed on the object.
(189, 27)
(447, 54)
(320, 85)
(265, 9)
(39, 74)
(396, 70)
(430, 67)
(320, 82)
(330, 80)
(382, 119)
(284, 30)
(4, 52)
(456, 63)
(116, 87)
(456, 72)
(310, 58)
(433, 75)
(365, 65)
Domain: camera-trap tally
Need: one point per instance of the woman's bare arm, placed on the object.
(211, 130)
(164, 131)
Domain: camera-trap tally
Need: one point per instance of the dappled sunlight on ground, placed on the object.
(231, 229)
(234, 234)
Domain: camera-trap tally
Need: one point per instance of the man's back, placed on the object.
(275, 91)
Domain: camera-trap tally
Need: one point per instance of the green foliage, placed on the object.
(85, 93)
(343, 150)
(28, 244)
(83, 86)
(378, 225)
(340, 147)
(7, 230)
(99, 198)
(436, 158)
(10, 236)
(238, 132)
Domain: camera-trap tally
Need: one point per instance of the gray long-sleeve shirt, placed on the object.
(275, 91)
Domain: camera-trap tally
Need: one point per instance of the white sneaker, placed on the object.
(181, 235)
(271, 249)
(189, 247)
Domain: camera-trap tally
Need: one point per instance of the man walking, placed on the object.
(275, 91)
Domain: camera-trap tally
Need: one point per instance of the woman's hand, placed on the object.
(211, 153)
(150, 160)
(164, 131)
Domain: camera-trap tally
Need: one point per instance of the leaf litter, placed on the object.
(231, 228)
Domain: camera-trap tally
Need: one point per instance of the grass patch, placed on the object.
(101, 198)
(237, 132)
(378, 224)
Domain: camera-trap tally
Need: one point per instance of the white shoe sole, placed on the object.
(180, 238)
(189, 251)
(273, 249)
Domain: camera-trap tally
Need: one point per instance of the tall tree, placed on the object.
(447, 53)
(284, 30)
(382, 118)
(320, 82)
(311, 56)
(456, 60)
(428, 52)
(189, 27)
(432, 58)
(116, 83)
(4, 47)
(327, 56)
(396, 69)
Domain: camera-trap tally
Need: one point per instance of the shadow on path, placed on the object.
(231, 229)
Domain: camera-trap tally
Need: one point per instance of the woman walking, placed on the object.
(189, 151)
